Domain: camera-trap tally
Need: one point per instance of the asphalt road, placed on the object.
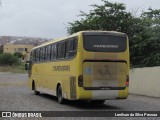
(16, 96)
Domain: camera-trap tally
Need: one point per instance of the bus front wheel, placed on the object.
(34, 88)
(59, 95)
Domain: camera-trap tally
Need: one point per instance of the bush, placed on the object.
(8, 59)
(18, 54)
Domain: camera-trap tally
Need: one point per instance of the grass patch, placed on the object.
(20, 68)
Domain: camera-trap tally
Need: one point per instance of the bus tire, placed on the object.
(97, 101)
(59, 95)
(34, 88)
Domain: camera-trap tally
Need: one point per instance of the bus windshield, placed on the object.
(104, 43)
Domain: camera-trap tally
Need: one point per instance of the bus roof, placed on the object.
(75, 34)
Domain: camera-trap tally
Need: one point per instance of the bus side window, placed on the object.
(34, 55)
(52, 48)
(53, 52)
(59, 50)
(63, 51)
(67, 49)
(72, 47)
(40, 55)
(49, 52)
(75, 42)
(37, 55)
(44, 55)
(57, 46)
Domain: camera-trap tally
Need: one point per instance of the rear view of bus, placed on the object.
(104, 66)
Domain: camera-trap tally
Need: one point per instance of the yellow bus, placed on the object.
(88, 65)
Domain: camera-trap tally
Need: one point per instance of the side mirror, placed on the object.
(26, 66)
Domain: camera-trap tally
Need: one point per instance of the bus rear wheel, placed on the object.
(59, 95)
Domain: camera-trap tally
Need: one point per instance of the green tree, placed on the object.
(8, 59)
(109, 16)
(143, 31)
(146, 49)
(18, 54)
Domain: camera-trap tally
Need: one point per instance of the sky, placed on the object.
(49, 18)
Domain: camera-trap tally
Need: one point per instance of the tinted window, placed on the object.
(43, 54)
(58, 50)
(37, 55)
(71, 43)
(49, 52)
(67, 49)
(72, 47)
(54, 52)
(41, 51)
(46, 53)
(61, 50)
(34, 55)
(104, 43)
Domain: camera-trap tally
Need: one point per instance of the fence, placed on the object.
(145, 81)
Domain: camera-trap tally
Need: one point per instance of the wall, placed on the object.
(12, 48)
(145, 81)
(24, 49)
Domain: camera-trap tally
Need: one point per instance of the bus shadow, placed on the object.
(88, 106)
(81, 104)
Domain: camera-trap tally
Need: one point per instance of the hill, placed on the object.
(22, 40)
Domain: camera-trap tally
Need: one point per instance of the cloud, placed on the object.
(46, 18)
